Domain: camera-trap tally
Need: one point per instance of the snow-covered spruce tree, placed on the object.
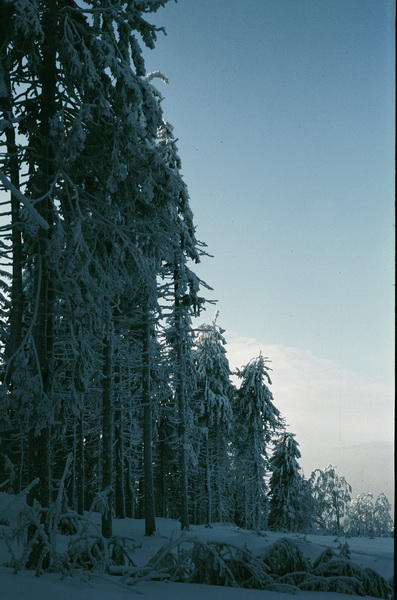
(137, 370)
(213, 408)
(304, 516)
(181, 301)
(167, 459)
(256, 420)
(147, 422)
(128, 435)
(179, 337)
(167, 426)
(331, 497)
(286, 491)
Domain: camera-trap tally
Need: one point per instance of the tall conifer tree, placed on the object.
(285, 485)
(256, 420)
(213, 407)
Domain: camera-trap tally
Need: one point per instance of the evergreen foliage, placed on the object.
(286, 491)
(256, 420)
(99, 216)
(213, 407)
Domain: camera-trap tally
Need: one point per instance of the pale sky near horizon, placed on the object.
(284, 115)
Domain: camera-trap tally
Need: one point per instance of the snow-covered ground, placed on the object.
(377, 554)
(49, 587)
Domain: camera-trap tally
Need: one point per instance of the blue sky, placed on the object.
(284, 114)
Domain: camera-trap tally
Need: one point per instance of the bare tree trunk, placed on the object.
(12, 171)
(107, 437)
(11, 168)
(219, 487)
(80, 464)
(150, 522)
(183, 468)
(181, 403)
(39, 435)
(185, 524)
(15, 338)
(208, 481)
(130, 484)
(120, 499)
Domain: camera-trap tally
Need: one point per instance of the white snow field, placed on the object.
(376, 554)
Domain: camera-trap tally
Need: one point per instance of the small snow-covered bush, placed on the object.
(331, 572)
(87, 548)
(337, 566)
(344, 550)
(90, 550)
(68, 524)
(353, 578)
(247, 569)
(285, 557)
(97, 554)
(376, 585)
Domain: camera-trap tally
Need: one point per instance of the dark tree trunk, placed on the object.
(80, 465)
(120, 500)
(150, 522)
(12, 171)
(15, 338)
(107, 438)
(39, 436)
(130, 484)
(181, 403)
(11, 168)
(208, 481)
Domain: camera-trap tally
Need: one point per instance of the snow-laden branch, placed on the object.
(156, 74)
(24, 200)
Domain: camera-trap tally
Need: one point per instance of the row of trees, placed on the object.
(97, 238)
(105, 388)
(107, 392)
(323, 503)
